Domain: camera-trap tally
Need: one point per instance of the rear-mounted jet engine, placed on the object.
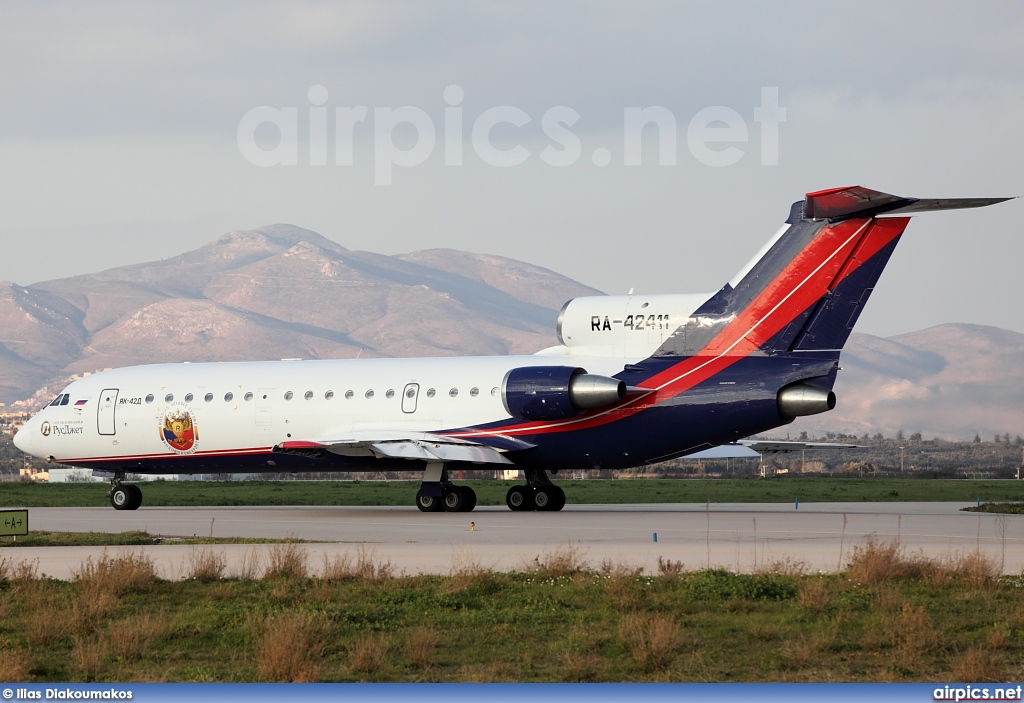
(557, 392)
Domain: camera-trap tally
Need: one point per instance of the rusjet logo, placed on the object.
(178, 429)
(45, 428)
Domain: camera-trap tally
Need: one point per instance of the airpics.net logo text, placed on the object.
(716, 136)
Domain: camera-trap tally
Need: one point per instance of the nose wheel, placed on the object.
(125, 496)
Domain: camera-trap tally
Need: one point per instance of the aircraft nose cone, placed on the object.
(22, 438)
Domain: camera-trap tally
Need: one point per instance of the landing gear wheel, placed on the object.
(557, 498)
(519, 498)
(428, 504)
(136, 500)
(542, 498)
(470, 498)
(121, 497)
(459, 499)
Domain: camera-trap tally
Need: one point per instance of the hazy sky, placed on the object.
(119, 134)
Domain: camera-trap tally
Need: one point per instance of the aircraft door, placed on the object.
(265, 409)
(105, 411)
(410, 396)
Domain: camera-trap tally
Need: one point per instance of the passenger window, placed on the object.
(188, 397)
(149, 398)
(453, 392)
(308, 395)
(348, 395)
(248, 396)
(369, 394)
(431, 392)
(328, 395)
(474, 392)
(390, 393)
(289, 395)
(229, 396)
(169, 398)
(208, 397)
(495, 391)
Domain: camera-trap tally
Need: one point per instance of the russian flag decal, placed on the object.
(79, 403)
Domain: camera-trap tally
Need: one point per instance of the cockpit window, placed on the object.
(65, 399)
(56, 401)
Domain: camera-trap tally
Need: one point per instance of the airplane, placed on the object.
(635, 379)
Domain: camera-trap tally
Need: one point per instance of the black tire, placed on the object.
(519, 498)
(428, 504)
(470, 498)
(543, 498)
(136, 497)
(121, 497)
(557, 498)
(454, 500)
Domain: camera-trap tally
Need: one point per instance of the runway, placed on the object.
(736, 536)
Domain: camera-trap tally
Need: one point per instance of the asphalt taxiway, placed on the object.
(737, 536)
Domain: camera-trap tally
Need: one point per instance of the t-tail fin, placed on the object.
(805, 290)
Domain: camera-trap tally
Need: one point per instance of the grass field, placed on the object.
(809, 490)
(889, 617)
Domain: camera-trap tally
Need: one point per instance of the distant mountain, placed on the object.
(949, 381)
(285, 292)
(270, 293)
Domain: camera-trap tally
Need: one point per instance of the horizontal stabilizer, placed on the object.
(858, 201)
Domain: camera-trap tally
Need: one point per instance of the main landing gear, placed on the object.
(124, 496)
(538, 494)
(437, 493)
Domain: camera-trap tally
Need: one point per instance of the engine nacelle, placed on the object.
(557, 392)
(802, 399)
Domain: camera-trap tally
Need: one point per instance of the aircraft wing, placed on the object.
(773, 447)
(419, 446)
(750, 448)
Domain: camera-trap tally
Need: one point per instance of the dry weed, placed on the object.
(913, 636)
(787, 566)
(205, 565)
(88, 611)
(814, 594)
(622, 585)
(45, 624)
(876, 562)
(20, 572)
(973, 665)
(652, 640)
(369, 568)
(287, 560)
(975, 569)
(581, 668)
(420, 645)
(14, 665)
(492, 672)
(566, 561)
(129, 637)
(369, 653)
(88, 657)
(998, 637)
(251, 566)
(667, 567)
(338, 568)
(290, 648)
(466, 572)
(803, 651)
(129, 572)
